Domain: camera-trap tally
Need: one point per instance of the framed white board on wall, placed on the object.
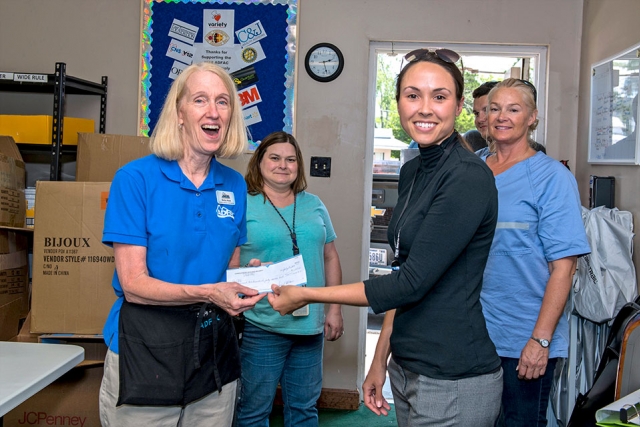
(614, 109)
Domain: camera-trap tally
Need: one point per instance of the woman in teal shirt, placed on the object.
(283, 221)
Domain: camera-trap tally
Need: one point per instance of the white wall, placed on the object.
(610, 27)
(98, 38)
(94, 38)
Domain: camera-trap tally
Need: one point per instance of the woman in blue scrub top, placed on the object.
(533, 256)
(283, 221)
(176, 221)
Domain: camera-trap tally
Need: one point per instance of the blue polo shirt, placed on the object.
(190, 233)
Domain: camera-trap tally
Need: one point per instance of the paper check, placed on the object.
(288, 272)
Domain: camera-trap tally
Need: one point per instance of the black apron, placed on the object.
(175, 355)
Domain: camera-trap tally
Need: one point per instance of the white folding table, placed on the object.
(27, 368)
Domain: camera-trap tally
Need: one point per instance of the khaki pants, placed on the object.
(215, 409)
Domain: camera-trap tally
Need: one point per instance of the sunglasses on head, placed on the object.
(446, 55)
(533, 89)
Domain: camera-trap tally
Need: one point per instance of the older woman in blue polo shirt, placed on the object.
(176, 220)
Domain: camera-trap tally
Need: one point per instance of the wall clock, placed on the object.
(324, 62)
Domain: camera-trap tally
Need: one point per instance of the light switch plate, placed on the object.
(321, 166)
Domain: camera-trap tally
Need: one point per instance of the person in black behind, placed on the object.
(444, 369)
(478, 138)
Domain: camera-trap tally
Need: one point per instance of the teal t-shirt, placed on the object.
(268, 240)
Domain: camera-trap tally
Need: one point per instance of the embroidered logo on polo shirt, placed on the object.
(224, 212)
(225, 197)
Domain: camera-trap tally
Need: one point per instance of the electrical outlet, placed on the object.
(321, 166)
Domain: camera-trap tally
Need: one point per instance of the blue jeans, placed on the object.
(525, 402)
(295, 361)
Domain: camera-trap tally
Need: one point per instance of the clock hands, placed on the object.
(324, 62)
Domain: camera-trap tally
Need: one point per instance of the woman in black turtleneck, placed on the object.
(444, 369)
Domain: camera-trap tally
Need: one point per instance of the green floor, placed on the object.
(337, 418)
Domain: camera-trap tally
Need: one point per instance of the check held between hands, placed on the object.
(227, 296)
(286, 299)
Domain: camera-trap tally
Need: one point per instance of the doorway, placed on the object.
(388, 145)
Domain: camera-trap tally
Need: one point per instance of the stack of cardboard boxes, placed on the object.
(14, 292)
(72, 272)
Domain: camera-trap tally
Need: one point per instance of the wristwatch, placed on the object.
(544, 343)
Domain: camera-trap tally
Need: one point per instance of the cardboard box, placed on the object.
(72, 400)
(10, 315)
(72, 270)
(101, 155)
(9, 148)
(38, 129)
(13, 266)
(25, 335)
(12, 177)
(14, 282)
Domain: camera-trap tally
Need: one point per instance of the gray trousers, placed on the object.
(421, 401)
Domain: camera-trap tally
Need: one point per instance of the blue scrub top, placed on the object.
(190, 233)
(539, 221)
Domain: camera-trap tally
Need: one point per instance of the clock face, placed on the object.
(324, 62)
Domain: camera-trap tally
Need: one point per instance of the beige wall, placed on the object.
(610, 27)
(94, 38)
(98, 38)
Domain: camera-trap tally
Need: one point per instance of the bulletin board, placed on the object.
(252, 40)
(614, 109)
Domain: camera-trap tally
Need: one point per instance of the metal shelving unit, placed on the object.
(59, 84)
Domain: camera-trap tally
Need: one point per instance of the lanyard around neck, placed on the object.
(292, 232)
(443, 158)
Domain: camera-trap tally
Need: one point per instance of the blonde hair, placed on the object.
(526, 92)
(166, 140)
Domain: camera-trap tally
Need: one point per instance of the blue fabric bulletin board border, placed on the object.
(275, 73)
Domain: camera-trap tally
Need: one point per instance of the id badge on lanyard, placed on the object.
(302, 311)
